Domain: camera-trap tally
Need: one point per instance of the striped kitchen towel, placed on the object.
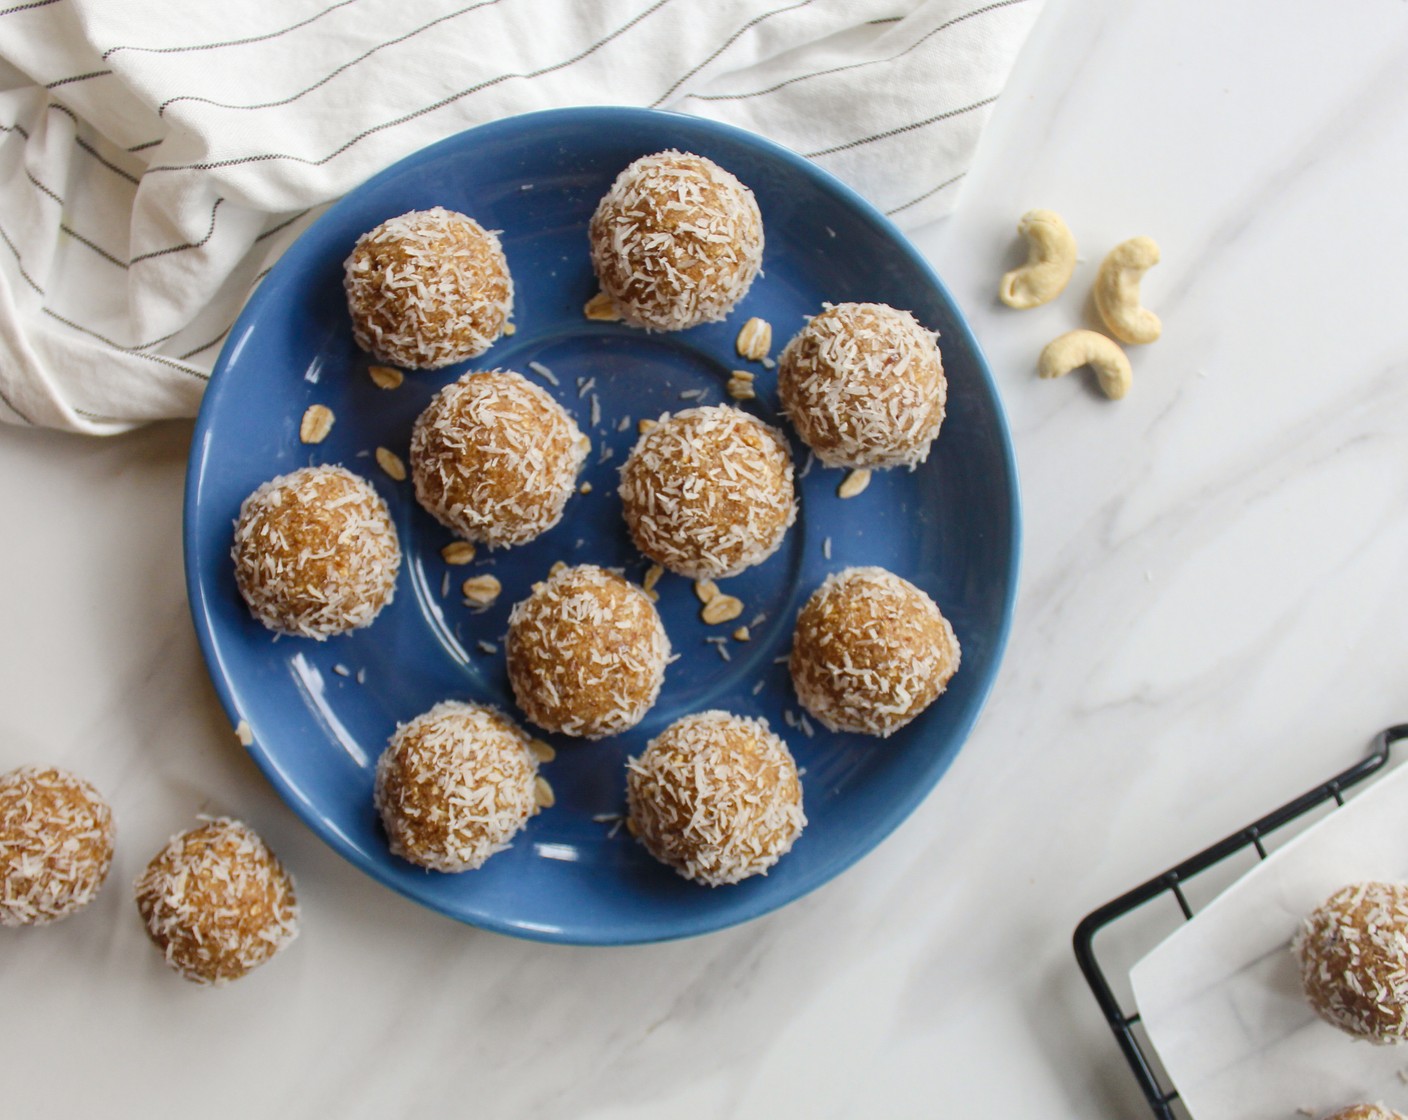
(157, 157)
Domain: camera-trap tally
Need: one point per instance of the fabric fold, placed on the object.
(155, 160)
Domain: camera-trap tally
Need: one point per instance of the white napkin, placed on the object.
(1221, 998)
(157, 157)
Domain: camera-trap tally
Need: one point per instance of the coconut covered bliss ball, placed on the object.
(709, 492)
(676, 241)
(586, 653)
(717, 797)
(316, 553)
(864, 386)
(428, 289)
(870, 652)
(455, 785)
(217, 902)
(1353, 956)
(56, 837)
(495, 458)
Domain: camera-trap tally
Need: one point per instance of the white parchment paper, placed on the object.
(1221, 997)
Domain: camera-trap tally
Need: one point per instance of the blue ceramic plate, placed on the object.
(320, 713)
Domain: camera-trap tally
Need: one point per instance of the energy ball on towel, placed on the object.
(217, 902)
(495, 458)
(708, 492)
(870, 652)
(586, 653)
(428, 289)
(716, 796)
(455, 785)
(316, 553)
(676, 241)
(1353, 955)
(1366, 1112)
(864, 386)
(56, 836)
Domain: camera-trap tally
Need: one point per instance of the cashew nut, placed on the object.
(1117, 291)
(1051, 258)
(1088, 348)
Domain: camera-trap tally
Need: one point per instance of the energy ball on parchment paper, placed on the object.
(708, 492)
(217, 902)
(864, 386)
(676, 241)
(455, 785)
(56, 836)
(428, 289)
(495, 458)
(1366, 1112)
(316, 553)
(870, 652)
(715, 796)
(1353, 955)
(586, 653)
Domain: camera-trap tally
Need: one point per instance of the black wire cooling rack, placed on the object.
(1163, 1097)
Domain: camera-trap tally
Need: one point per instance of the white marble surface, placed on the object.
(1211, 619)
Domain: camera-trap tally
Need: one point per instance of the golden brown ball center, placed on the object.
(217, 902)
(586, 653)
(709, 492)
(870, 652)
(495, 458)
(56, 844)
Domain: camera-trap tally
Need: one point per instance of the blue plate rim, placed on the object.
(899, 809)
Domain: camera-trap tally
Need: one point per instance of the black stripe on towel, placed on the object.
(927, 194)
(858, 65)
(221, 336)
(8, 403)
(98, 418)
(78, 78)
(210, 232)
(229, 42)
(901, 129)
(122, 264)
(161, 109)
(25, 7)
(725, 46)
(19, 262)
(87, 147)
(28, 174)
(566, 62)
(161, 359)
(97, 155)
(268, 233)
(113, 342)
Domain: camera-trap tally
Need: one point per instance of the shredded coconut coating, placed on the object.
(716, 796)
(495, 458)
(708, 492)
(316, 553)
(217, 902)
(870, 652)
(56, 837)
(676, 241)
(864, 386)
(1353, 955)
(455, 785)
(586, 653)
(1366, 1112)
(427, 289)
